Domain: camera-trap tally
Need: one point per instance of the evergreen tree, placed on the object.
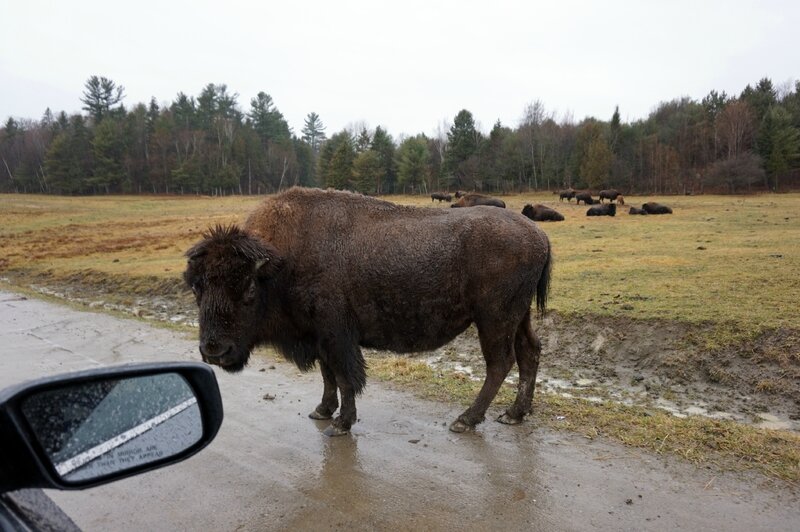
(108, 150)
(778, 144)
(99, 96)
(383, 145)
(335, 164)
(412, 162)
(313, 131)
(462, 147)
(367, 171)
(69, 158)
(363, 140)
(268, 122)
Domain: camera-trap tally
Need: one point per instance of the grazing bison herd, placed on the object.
(319, 274)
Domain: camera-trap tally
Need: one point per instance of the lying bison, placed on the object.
(471, 200)
(320, 274)
(568, 193)
(584, 197)
(542, 213)
(607, 209)
(441, 196)
(609, 194)
(634, 210)
(651, 207)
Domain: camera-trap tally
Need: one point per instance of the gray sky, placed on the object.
(407, 66)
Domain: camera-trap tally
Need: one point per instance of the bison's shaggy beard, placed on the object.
(239, 360)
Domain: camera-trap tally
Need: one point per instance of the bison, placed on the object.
(609, 194)
(320, 274)
(441, 196)
(584, 197)
(568, 193)
(542, 213)
(471, 200)
(608, 209)
(651, 207)
(634, 210)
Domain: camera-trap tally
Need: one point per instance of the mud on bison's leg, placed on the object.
(527, 349)
(496, 344)
(330, 402)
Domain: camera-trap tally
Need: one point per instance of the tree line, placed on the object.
(209, 144)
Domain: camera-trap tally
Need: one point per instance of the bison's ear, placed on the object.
(269, 264)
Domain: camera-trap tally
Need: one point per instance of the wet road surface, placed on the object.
(271, 468)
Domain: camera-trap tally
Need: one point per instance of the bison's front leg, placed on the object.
(330, 402)
(345, 360)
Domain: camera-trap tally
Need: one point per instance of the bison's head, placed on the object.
(228, 272)
(528, 211)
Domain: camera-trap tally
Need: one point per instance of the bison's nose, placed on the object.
(213, 349)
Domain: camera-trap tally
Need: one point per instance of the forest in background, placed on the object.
(210, 145)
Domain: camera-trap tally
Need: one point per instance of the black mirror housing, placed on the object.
(27, 464)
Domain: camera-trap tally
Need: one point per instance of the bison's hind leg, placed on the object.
(498, 351)
(527, 349)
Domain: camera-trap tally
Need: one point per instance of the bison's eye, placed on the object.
(250, 293)
(196, 288)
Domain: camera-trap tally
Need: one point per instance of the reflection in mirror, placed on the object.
(101, 427)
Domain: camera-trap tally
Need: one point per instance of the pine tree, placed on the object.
(313, 131)
(99, 96)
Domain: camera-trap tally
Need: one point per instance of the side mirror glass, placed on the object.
(94, 429)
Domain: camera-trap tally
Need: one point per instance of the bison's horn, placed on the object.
(261, 262)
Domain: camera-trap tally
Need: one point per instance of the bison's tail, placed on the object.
(543, 286)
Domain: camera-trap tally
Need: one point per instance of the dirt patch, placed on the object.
(657, 364)
(651, 363)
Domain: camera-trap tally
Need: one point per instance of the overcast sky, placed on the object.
(408, 66)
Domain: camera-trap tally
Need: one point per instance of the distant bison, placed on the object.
(620, 200)
(608, 209)
(321, 274)
(542, 213)
(568, 193)
(471, 200)
(651, 207)
(441, 196)
(634, 210)
(609, 194)
(584, 197)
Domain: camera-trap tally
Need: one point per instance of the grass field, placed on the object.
(720, 259)
(729, 265)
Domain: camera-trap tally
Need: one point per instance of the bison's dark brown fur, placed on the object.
(441, 196)
(651, 207)
(542, 213)
(609, 194)
(568, 193)
(472, 200)
(584, 197)
(608, 209)
(634, 210)
(320, 274)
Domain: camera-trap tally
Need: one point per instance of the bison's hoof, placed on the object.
(509, 420)
(333, 430)
(459, 426)
(316, 414)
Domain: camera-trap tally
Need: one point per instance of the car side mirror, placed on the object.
(89, 428)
